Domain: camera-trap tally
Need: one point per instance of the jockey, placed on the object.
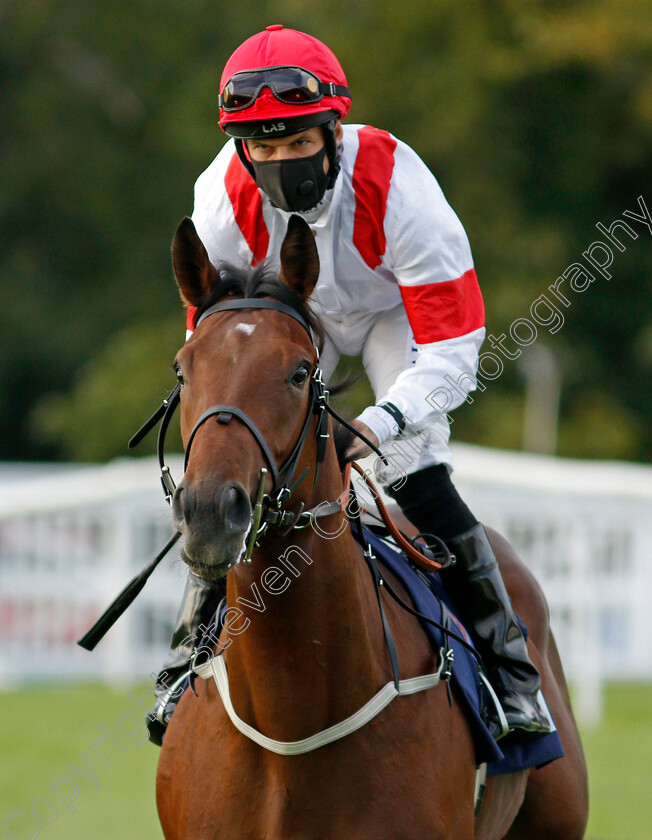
(396, 284)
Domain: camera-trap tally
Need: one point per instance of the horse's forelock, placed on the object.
(260, 281)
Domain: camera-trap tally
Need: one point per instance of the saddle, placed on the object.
(467, 681)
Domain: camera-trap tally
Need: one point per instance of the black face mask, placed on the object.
(294, 184)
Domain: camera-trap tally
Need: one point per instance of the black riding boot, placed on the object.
(431, 502)
(198, 606)
(480, 593)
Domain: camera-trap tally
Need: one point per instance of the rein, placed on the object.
(419, 559)
(268, 510)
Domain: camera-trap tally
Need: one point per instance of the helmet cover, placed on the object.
(277, 46)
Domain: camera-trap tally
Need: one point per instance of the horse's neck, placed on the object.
(313, 649)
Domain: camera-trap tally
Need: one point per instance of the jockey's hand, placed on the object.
(358, 449)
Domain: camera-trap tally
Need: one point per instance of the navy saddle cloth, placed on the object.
(501, 757)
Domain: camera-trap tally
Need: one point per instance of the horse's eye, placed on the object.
(179, 374)
(300, 376)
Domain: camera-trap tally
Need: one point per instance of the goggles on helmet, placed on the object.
(291, 85)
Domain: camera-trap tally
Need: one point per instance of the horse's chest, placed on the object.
(361, 787)
(327, 810)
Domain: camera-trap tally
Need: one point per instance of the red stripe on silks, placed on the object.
(247, 208)
(438, 311)
(372, 174)
(190, 317)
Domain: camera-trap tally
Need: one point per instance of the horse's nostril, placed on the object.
(202, 519)
(180, 508)
(236, 508)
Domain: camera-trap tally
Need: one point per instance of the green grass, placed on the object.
(619, 756)
(45, 731)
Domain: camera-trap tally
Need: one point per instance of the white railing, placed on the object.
(71, 539)
(584, 529)
(69, 542)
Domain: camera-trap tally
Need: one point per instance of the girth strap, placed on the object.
(389, 639)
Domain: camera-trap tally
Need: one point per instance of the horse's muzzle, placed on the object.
(214, 524)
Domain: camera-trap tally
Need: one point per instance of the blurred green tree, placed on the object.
(536, 117)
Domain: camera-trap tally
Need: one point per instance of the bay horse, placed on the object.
(307, 649)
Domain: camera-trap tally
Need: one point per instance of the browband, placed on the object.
(255, 303)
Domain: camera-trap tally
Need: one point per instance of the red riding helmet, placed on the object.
(283, 79)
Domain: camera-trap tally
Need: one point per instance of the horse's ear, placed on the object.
(299, 258)
(194, 272)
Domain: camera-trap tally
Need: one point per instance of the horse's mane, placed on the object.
(259, 282)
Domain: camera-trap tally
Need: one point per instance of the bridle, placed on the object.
(268, 508)
(269, 511)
